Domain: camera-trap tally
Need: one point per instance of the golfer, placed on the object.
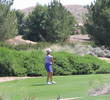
(48, 66)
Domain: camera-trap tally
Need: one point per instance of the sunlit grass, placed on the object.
(66, 87)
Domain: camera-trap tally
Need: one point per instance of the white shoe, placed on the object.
(49, 83)
(53, 82)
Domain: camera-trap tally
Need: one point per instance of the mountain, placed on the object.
(77, 10)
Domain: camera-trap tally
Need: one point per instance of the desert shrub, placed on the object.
(39, 45)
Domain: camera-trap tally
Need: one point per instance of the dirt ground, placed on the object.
(72, 39)
(78, 38)
(18, 40)
(106, 59)
(4, 79)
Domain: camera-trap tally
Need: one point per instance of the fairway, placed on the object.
(66, 87)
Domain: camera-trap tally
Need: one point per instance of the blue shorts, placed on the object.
(48, 67)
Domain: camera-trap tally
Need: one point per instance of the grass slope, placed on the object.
(66, 87)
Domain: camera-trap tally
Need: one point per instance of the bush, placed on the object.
(11, 63)
(14, 63)
(34, 63)
(62, 64)
(72, 64)
(31, 63)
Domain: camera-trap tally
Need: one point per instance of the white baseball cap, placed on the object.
(48, 50)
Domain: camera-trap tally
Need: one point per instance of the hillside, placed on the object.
(77, 10)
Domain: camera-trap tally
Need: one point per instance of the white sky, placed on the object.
(21, 4)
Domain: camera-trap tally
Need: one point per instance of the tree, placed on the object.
(35, 23)
(20, 21)
(8, 21)
(98, 22)
(60, 23)
(50, 23)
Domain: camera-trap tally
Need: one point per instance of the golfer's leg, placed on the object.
(48, 76)
(51, 74)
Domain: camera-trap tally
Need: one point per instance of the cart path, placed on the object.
(4, 79)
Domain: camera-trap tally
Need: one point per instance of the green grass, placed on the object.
(66, 87)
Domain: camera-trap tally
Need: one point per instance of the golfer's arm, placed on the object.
(52, 60)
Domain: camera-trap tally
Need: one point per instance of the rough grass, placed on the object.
(66, 87)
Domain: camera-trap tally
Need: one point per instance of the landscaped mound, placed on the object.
(31, 63)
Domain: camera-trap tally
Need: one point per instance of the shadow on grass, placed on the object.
(40, 84)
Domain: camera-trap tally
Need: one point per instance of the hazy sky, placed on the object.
(21, 4)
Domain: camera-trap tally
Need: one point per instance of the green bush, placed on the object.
(11, 63)
(62, 65)
(31, 63)
(20, 63)
(34, 63)
(72, 64)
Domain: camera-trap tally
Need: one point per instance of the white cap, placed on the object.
(48, 50)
